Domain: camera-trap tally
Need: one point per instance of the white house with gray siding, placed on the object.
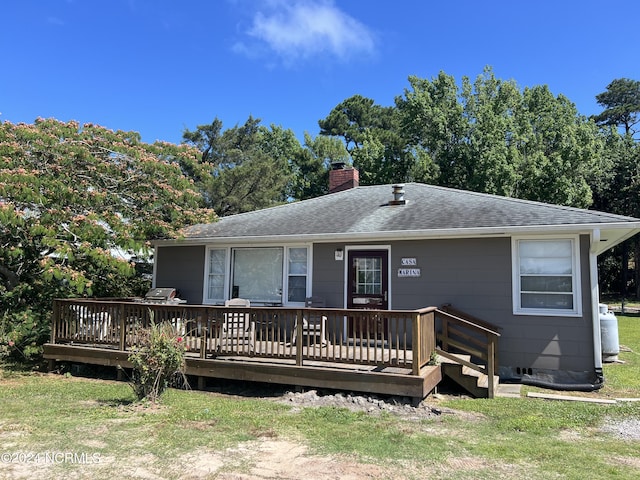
(530, 268)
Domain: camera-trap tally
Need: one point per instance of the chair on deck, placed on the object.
(238, 331)
(314, 325)
(92, 324)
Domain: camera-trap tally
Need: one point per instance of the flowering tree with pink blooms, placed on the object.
(78, 207)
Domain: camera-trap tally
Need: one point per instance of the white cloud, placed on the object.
(301, 29)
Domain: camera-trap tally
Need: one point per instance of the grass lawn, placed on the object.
(209, 435)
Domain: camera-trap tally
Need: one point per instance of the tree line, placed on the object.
(79, 203)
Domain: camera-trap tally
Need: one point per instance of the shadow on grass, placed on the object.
(116, 402)
(22, 366)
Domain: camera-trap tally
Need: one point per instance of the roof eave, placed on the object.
(619, 233)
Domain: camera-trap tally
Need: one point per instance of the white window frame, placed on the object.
(287, 274)
(285, 271)
(575, 274)
(227, 268)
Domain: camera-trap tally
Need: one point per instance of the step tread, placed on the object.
(449, 361)
(470, 377)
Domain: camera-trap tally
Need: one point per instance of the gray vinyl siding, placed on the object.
(328, 274)
(474, 275)
(555, 343)
(181, 267)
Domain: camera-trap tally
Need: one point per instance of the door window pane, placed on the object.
(368, 276)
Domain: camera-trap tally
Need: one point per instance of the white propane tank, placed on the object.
(609, 334)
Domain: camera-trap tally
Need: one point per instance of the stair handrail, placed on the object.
(466, 317)
(488, 350)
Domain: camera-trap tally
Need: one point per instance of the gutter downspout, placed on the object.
(595, 300)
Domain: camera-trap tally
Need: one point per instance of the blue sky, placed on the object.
(160, 66)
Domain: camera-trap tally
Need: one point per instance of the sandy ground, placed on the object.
(263, 458)
(280, 459)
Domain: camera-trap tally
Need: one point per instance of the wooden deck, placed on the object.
(374, 351)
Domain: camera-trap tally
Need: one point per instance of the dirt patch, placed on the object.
(632, 462)
(267, 458)
(273, 458)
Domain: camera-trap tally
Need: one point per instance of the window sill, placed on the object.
(548, 313)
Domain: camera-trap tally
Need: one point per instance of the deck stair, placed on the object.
(473, 381)
(467, 351)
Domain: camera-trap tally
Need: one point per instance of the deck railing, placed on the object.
(366, 337)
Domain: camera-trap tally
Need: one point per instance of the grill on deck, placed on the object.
(162, 295)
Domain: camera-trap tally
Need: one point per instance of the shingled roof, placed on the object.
(365, 212)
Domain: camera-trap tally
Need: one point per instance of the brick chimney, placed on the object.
(342, 177)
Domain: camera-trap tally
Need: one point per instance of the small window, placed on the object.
(216, 275)
(546, 279)
(297, 275)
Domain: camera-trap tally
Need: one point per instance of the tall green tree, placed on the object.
(75, 202)
(561, 150)
(487, 136)
(621, 103)
(250, 164)
(492, 160)
(373, 137)
(310, 167)
(350, 119)
(433, 120)
(619, 191)
(207, 139)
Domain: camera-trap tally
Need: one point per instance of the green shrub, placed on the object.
(6, 345)
(157, 361)
(22, 334)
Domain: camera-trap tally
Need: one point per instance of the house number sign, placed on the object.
(408, 272)
(409, 269)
